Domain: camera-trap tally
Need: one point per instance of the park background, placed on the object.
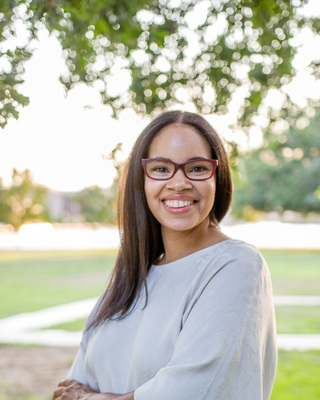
(60, 162)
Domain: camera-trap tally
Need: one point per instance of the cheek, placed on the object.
(147, 190)
(211, 194)
(151, 190)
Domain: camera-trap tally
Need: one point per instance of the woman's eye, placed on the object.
(158, 168)
(198, 168)
(161, 169)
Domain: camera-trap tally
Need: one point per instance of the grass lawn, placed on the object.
(294, 272)
(297, 376)
(77, 325)
(31, 281)
(34, 280)
(298, 319)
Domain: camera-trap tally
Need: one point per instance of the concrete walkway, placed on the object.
(263, 234)
(30, 328)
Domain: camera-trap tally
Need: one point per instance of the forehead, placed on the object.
(179, 140)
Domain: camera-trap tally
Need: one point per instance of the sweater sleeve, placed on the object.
(226, 349)
(78, 370)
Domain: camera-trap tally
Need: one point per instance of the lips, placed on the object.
(178, 203)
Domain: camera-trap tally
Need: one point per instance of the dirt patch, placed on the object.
(32, 371)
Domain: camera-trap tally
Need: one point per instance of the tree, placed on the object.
(97, 205)
(203, 50)
(282, 174)
(4, 206)
(23, 201)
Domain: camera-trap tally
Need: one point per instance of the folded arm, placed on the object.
(70, 389)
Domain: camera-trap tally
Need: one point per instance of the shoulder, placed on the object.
(232, 278)
(243, 252)
(237, 259)
(234, 250)
(246, 254)
(239, 247)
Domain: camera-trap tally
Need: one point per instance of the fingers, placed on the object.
(71, 389)
(63, 388)
(66, 382)
(57, 393)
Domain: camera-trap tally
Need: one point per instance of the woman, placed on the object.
(188, 313)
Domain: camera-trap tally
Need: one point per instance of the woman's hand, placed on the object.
(73, 390)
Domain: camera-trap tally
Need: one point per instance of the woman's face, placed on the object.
(179, 203)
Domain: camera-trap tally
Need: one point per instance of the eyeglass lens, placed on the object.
(163, 169)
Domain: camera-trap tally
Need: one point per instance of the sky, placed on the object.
(64, 140)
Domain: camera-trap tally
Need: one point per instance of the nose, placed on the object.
(179, 181)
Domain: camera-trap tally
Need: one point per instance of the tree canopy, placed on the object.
(168, 50)
(282, 174)
(23, 201)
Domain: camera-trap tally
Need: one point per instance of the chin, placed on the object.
(179, 227)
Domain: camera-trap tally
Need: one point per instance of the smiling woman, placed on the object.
(188, 313)
(181, 202)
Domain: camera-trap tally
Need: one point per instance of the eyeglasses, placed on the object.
(162, 169)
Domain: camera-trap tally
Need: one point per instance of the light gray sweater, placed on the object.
(207, 332)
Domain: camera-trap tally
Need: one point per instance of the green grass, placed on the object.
(35, 280)
(294, 272)
(31, 281)
(289, 269)
(290, 319)
(297, 376)
(298, 319)
(77, 325)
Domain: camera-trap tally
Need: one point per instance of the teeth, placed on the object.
(177, 203)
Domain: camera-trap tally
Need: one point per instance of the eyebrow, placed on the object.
(189, 159)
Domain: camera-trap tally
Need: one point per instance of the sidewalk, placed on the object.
(30, 328)
(263, 234)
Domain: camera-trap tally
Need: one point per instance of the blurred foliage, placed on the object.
(283, 174)
(207, 50)
(97, 205)
(26, 201)
(23, 201)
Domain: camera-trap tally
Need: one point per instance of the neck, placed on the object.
(178, 244)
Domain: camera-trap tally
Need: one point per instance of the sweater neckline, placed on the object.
(197, 253)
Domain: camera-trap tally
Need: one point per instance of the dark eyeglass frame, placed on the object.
(178, 166)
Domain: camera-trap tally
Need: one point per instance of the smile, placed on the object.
(178, 203)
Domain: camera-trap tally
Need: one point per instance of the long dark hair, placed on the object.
(141, 240)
